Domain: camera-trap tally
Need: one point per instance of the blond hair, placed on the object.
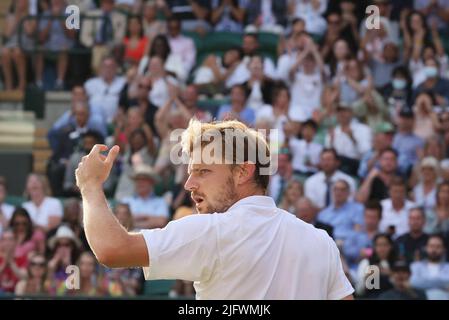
(229, 133)
(43, 180)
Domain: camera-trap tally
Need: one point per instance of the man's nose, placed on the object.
(191, 184)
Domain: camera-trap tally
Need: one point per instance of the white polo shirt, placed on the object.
(41, 215)
(253, 251)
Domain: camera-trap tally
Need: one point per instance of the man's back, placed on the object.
(253, 251)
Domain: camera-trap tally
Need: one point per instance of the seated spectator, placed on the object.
(12, 268)
(55, 37)
(162, 84)
(343, 215)
(278, 181)
(28, 239)
(415, 34)
(267, 16)
(136, 153)
(383, 258)
(152, 26)
(383, 138)
(398, 92)
(435, 12)
(434, 82)
(12, 53)
(306, 152)
(377, 184)
(358, 245)
(72, 218)
(427, 122)
(250, 47)
(424, 192)
(238, 109)
(335, 63)
(135, 42)
(395, 209)
(44, 210)
(307, 212)
(311, 12)
(402, 290)
(293, 191)
(194, 15)
(148, 210)
(437, 220)
(181, 45)
(351, 139)
(64, 251)
(353, 83)
(410, 246)
(406, 143)
(432, 274)
(6, 209)
(173, 63)
(318, 187)
(188, 105)
(103, 91)
(36, 282)
(228, 15)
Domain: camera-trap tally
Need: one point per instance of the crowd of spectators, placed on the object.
(362, 116)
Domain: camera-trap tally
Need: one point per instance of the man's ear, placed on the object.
(246, 172)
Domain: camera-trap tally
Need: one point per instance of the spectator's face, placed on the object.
(390, 52)
(134, 26)
(78, 94)
(334, 22)
(347, 6)
(416, 221)
(328, 162)
(443, 195)
(341, 50)
(88, 143)
(108, 69)
(2, 193)
(160, 48)
(428, 53)
(282, 99)
(444, 119)
(87, 266)
(344, 116)
(444, 174)
(20, 223)
(174, 28)
(72, 212)
(388, 162)
(249, 45)
(371, 219)
(156, 66)
(341, 192)
(353, 70)
(382, 247)
(431, 68)
(8, 242)
(143, 185)
(238, 96)
(190, 97)
(256, 67)
(134, 118)
(428, 174)
(34, 186)
(283, 164)
(416, 22)
(212, 187)
(150, 12)
(38, 266)
(397, 192)
(144, 87)
(107, 5)
(400, 279)
(309, 64)
(305, 211)
(137, 142)
(435, 249)
(230, 57)
(22, 5)
(293, 192)
(298, 27)
(308, 132)
(81, 115)
(406, 124)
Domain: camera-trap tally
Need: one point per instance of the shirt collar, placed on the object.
(264, 201)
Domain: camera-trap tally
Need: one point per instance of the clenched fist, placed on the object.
(94, 169)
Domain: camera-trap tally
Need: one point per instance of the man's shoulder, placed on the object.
(315, 177)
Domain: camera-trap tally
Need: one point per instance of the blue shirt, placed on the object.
(343, 219)
(151, 206)
(407, 146)
(354, 243)
(247, 115)
(422, 279)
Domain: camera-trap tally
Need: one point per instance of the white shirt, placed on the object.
(184, 47)
(266, 112)
(50, 207)
(253, 251)
(7, 211)
(315, 186)
(269, 69)
(159, 93)
(345, 146)
(240, 75)
(104, 98)
(391, 217)
(306, 95)
(427, 201)
(301, 151)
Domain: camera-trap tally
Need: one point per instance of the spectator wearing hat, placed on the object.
(424, 193)
(410, 246)
(437, 219)
(6, 209)
(402, 290)
(351, 139)
(407, 144)
(149, 211)
(432, 274)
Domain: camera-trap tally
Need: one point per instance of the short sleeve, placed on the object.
(339, 286)
(185, 249)
(55, 208)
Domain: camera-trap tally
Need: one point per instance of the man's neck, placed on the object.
(338, 205)
(416, 233)
(398, 204)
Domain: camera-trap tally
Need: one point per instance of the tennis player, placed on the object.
(246, 248)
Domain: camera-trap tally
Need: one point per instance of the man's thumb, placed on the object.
(112, 155)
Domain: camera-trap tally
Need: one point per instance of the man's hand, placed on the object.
(94, 169)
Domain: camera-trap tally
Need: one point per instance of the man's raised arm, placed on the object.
(111, 243)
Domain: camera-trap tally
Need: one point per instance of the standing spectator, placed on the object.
(238, 108)
(311, 12)
(358, 244)
(383, 68)
(267, 15)
(148, 210)
(36, 282)
(432, 274)
(135, 42)
(416, 34)
(181, 45)
(55, 37)
(194, 14)
(293, 191)
(318, 187)
(434, 82)
(228, 15)
(398, 93)
(28, 238)
(343, 215)
(407, 144)
(45, 211)
(103, 91)
(6, 209)
(436, 11)
(278, 182)
(260, 87)
(395, 209)
(383, 257)
(427, 122)
(337, 57)
(425, 191)
(161, 82)
(353, 83)
(12, 268)
(350, 139)
(437, 220)
(402, 290)
(152, 26)
(250, 47)
(410, 246)
(307, 212)
(12, 53)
